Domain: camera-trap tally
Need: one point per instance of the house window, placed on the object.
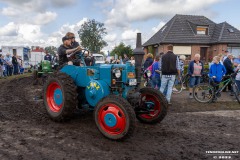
(230, 30)
(202, 30)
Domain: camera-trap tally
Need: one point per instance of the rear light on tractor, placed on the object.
(131, 75)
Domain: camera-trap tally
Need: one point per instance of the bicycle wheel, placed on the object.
(203, 93)
(236, 91)
(185, 80)
(177, 87)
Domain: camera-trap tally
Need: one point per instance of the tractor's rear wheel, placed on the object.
(153, 106)
(115, 117)
(60, 96)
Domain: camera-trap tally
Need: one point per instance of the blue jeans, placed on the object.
(238, 84)
(167, 81)
(15, 69)
(194, 80)
(156, 82)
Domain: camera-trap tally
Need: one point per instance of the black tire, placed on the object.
(111, 105)
(236, 92)
(150, 95)
(60, 88)
(203, 93)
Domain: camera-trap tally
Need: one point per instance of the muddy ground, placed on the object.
(188, 131)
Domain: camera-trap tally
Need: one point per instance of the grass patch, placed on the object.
(15, 77)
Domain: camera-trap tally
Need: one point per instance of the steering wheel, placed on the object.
(81, 53)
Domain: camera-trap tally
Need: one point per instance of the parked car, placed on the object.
(99, 58)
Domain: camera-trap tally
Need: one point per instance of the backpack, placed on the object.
(150, 68)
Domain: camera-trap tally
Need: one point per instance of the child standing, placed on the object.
(217, 71)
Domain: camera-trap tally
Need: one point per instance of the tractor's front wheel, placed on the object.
(60, 96)
(115, 117)
(153, 106)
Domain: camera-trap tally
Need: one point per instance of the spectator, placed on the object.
(182, 59)
(47, 57)
(195, 70)
(112, 60)
(1, 67)
(132, 61)
(217, 70)
(88, 59)
(169, 65)
(148, 62)
(8, 64)
(225, 55)
(238, 77)
(156, 81)
(229, 68)
(236, 62)
(125, 58)
(120, 60)
(15, 64)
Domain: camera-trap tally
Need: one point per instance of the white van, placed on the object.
(99, 58)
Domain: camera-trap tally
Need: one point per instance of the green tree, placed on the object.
(51, 50)
(91, 35)
(122, 49)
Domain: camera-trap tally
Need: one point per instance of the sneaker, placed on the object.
(190, 96)
(175, 89)
(231, 94)
(183, 87)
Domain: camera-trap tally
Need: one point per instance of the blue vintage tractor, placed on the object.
(112, 90)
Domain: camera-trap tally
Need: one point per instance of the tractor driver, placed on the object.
(66, 50)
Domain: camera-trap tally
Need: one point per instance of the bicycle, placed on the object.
(209, 92)
(179, 86)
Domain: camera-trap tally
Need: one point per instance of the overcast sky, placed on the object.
(44, 22)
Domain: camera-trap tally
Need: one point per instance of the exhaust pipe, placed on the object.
(138, 55)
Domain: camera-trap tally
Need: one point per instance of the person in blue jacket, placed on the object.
(217, 71)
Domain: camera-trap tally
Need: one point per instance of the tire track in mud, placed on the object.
(16, 102)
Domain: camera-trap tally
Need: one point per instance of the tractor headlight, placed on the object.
(149, 73)
(117, 73)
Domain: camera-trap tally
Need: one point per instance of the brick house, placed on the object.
(195, 34)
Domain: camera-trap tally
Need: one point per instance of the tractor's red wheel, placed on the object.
(60, 96)
(115, 117)
(54, 97)
(153, 106)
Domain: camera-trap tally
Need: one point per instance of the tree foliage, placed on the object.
(51, 49)
(91, 35)
(122, 49)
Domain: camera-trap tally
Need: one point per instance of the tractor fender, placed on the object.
(95, 91)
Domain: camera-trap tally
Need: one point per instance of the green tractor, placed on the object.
(44, 68)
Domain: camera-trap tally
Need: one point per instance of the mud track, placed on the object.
(187, 132)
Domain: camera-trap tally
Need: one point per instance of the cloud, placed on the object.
(9, 30)
(129, 34)
(45, 18)
(110, 37)
(160, 25)
(9, 11)
(125, 11)
(62, 3)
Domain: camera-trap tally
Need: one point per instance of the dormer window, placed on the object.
(202, 30)
(230, 30)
